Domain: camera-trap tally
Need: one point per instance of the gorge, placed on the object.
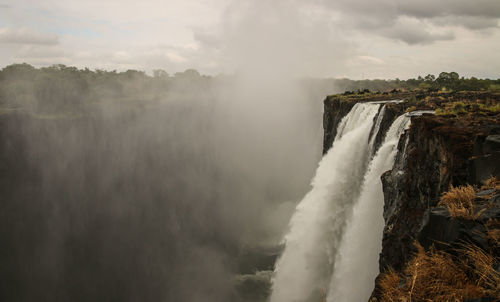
(184, 195)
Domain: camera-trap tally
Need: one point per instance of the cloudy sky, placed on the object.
(322, 38)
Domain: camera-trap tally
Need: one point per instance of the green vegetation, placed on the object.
(60, 89)
(495, 108)
(411, 108)
(446, 81)
(57, 89)
(468, 106)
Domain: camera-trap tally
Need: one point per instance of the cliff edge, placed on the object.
(454, 150)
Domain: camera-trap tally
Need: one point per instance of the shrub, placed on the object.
(460, 202)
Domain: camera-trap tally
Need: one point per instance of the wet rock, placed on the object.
(260, 258)
(486, 192)
(392, 111)
(483, 167)
(491, 143)
(439, 229)
(485, 162)
(254, 287)
(445, 232)
(429, 159)
(432, 155)
(490, 213)
(495, 200)
(481, 300)
(334, 111)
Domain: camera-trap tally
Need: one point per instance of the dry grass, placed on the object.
(491, 183)
(467, 272)
(460, 201)
(389, 285)
(493, 232)
(439, 276)
(482, 264)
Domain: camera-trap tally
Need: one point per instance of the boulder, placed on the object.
(445, 232)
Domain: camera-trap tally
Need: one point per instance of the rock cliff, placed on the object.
(459, 146)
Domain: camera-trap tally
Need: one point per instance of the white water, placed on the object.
(356, 264)
(306, 265)
(380, 117)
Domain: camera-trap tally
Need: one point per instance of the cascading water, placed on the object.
(356, 264)
(336, 232)
(305, 267)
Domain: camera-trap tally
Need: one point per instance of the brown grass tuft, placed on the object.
(390, 286)
(440, 276)
(491, 183)
(464, 273)
(460, 201)
(435, 274)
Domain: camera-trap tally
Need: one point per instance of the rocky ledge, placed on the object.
(459, 146)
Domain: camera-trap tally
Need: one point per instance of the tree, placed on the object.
(448, 80)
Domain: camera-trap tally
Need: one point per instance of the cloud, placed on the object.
(469, 22)
(27, 36)
(42, 55)
(432, 9)
(206, 39)
(40, 51)
(370, 60)
(414, 31)
(415, 21)
(417, 8)
(305, 37)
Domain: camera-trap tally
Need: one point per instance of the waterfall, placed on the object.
(305, 267)
(356, 264)
(376, 128)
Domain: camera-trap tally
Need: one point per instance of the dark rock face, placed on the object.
(486, 158)
(444, 232)
(431, 156)
(392, 111)
(334, 111)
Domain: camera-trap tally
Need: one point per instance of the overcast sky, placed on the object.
(322, 38)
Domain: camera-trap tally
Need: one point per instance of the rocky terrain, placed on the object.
(458, 146)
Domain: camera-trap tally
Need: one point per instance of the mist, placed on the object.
(123, 187)
(148, 199)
